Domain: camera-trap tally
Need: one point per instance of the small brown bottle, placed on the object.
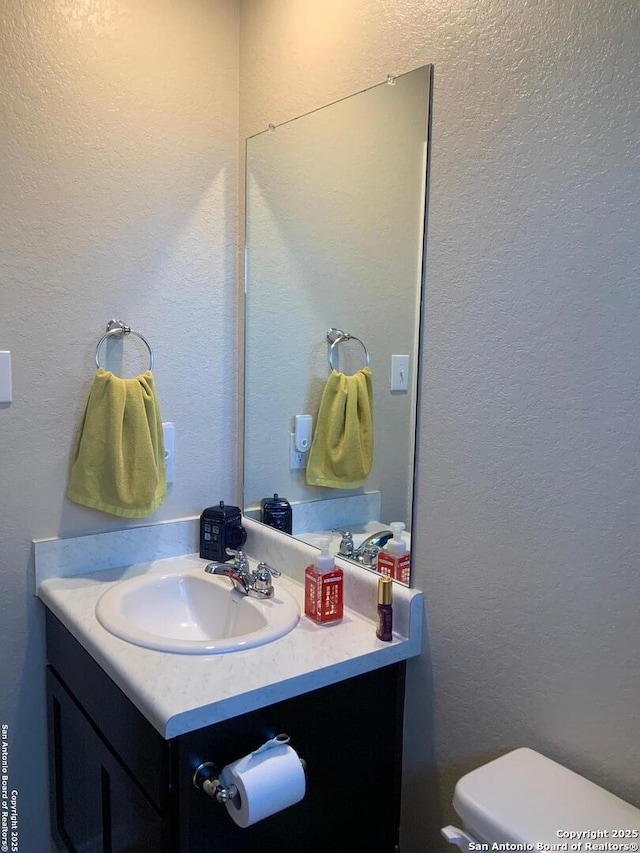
(385, 610)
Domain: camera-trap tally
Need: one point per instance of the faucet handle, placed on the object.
(346, 546)
(369, 555)
(264, 572)
(262, 584)
(239, 558)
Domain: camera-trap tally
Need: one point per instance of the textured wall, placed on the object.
(526, 535)
(117, 163)
(118, 168)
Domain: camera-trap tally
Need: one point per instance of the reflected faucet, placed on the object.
(367, 551)
(346, 547)
(256, 583)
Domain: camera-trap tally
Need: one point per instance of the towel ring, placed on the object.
(115, 328)
(336, 336)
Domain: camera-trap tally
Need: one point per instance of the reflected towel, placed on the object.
(341, 452)
(118, 460)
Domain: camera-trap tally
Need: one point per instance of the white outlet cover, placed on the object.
(168, 438)
(297, 459)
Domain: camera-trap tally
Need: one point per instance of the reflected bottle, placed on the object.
(394, 560)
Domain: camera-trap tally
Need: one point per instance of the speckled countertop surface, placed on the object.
(178, 693)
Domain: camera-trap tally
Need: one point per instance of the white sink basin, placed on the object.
(193, 613)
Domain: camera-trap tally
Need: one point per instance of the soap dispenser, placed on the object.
(394, 560)
(323, 585)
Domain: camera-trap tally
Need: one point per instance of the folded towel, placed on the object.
(341, 452)
(118, 460)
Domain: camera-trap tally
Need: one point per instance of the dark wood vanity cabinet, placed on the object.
(117, 786)
(96, 803)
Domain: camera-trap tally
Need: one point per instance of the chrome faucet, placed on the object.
(367, 551)
(256, 583)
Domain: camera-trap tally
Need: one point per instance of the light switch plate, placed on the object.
(399, 373)
(5, 376)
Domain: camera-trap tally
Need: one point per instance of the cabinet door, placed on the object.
(76, 778)
(96, 807)
(129, 823)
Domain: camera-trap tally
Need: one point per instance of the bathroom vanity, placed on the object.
(128, 726)
(118, 785)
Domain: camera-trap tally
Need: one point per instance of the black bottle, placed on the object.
(221, 528)
(276, 512)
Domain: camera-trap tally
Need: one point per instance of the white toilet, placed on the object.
(528, 800)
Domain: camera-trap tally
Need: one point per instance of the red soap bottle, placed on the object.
(323, 586)
(394, 560)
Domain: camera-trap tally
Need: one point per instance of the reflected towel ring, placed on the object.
(115, 328)
(336, 336)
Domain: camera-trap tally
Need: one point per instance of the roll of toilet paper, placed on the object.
(268, 780)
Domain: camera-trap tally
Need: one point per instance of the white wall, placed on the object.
(526, 535)
(118, 168)
(117, 163)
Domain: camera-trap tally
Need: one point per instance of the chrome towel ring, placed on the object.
(335, 337)
(115, 328)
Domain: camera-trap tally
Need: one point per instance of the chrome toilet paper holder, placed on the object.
(206, 777)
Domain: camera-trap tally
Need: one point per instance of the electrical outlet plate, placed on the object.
(168, 437)
(297, 459)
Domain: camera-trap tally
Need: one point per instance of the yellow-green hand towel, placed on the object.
(118, 460)
(341, 452)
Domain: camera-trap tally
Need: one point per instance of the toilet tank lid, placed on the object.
(525, 798)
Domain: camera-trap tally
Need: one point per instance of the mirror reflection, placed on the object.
(335, 218)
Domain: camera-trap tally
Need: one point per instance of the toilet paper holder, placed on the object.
(206, 777)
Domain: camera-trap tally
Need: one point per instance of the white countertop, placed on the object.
(178, 693)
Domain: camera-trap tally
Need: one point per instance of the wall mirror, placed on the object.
(335, 234)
